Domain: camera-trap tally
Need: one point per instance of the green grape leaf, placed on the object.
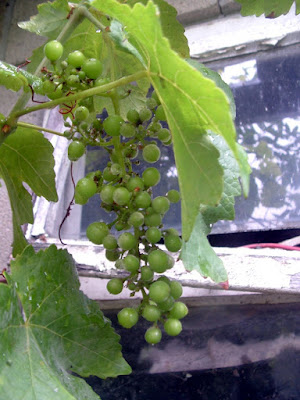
(193, 105)
(49, 328)
(273, 8)
(214, 76)
(14, 78)
(50, 19)
(172, 29)
(197, 254)
(26, 156)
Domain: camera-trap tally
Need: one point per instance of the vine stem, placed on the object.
(39, 128)
(80, 95)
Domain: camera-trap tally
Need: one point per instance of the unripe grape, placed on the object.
(132, 263)
(159, 291)
(128, 317)
(112, 255)
(151, 103)
(164, 135)
(153, 220)
(158, 261)
(155, 97)
(116, 169)
(160, 114)
(143, 200)
(151, 153)
(96, 232)
(151, 313)
(172, 243)
(133, 116)
(121, 196)
(76, 150)
(179, 310)
(153, 235)
(127, 130)
(136, 219)
(107, 193)
(110, 242)
(108, 175)
(85, 187)
(53, 50)
(112, 125)
(176, 289)
(173, 196)
(161, 204)
(145, 114)
(151, 176)
(172, 327)
(167, 304)
(127, 241)
(92, 68)
(76, 58)
(147, 274)
(73, 81)
(153, 335)
(135, 183)
(81, 113)
(115, 286)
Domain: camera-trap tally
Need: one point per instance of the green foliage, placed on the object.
(273, 8)
(14, 78)
(48, 328)
(26, 156)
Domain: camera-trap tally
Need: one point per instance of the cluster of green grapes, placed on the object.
(138, 214)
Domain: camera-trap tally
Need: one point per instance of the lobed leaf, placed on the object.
(59, 331)
(272, 8)
(26, 156)
(14, 78)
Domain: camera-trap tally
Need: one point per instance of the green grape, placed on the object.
(151, 103)
(134, 184)
(151, 176)
(165, 279)
(96, 232)
(57, 93)
(173, 196)
(73, 81)
(151, 153)
(112, 255)
(143, 200)
(160, 114)
(171, 262)
(159, 291)
(92, 68)
(132, 263)
(81, 75)
(116, 169)
(160, 204)
(81, 113)
(153, 220)
(158, 261)
(106, 194)
(172, 231)
(53, 50)
(145, 114)
(176, 289)
(112, 125)
(164, 135)
(127, 241)
(110, 242)
(132, 286)
(48, 87)
(153, 235)
(119, 264)
(86, 187)
(101, 81)
(136, 219)
(167, 304)
(127, 130)
(133, 116)
(172, 327)
(76, 59)
(128, 317)
(121, 196)
(147, 274)
(172, 243)
(108, 175)
(153, 335)
(88, 102)
(121, 226)
(151, 313)
(64, 64)
(155, 127)
(179, 310)
(79, 199)
(76, 150)
(115, 286)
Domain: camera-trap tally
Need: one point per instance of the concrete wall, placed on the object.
(16, 45)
